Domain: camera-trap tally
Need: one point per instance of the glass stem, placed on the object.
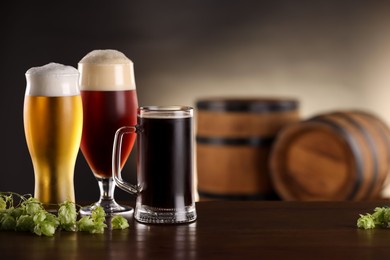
(107, 187)
(106, 201)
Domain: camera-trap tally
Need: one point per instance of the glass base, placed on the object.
(152, 215)
(110, 208)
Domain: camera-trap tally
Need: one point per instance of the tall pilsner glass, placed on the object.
(53, 124)
(109, 101)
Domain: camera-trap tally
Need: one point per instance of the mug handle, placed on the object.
(116, 160)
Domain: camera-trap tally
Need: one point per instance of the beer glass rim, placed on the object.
(165, 111)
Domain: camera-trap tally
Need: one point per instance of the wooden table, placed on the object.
(224, 230)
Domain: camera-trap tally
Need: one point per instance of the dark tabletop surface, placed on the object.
(224, 230)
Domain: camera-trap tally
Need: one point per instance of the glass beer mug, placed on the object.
(165, 191)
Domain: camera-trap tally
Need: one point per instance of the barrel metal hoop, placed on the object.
(248, 106)
(383, 131)
(371, 144)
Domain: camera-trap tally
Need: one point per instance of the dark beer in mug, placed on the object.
(165, 159)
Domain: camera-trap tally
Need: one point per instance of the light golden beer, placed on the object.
(53, 127)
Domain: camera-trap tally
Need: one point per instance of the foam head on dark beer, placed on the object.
(52, 79)
(106, 70)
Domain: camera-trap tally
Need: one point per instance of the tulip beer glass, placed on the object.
(165, 192)
(53, 124)
(109, 98)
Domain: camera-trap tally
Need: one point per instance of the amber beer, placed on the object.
(109, 97)
(53, 126)
(105, 112)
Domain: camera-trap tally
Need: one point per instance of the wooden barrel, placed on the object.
(334, 156)
(234, 137)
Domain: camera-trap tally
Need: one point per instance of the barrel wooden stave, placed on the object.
(240, 124)
(236, 170)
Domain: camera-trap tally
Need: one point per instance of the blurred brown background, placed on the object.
(328, 54)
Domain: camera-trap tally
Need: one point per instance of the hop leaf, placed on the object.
(119, 222)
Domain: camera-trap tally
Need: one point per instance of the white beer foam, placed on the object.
(105, 57)
(52, 80)
(106, 70)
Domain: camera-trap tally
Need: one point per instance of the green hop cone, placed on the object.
(17, 212)
(85, 224)
(25, 223)
(52, 219)
(46, 228)
(88, 224)
(67, 216)
(119, 222)
(93, 224)
(98, 214)
(386, 217)
(378, 215)
(32, 206)
(7, 222)
(366, 221)
(39, 216)
(99, 217)
(98, 228)
(45, 223)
